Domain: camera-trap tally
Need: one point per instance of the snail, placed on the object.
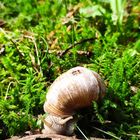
(71, 91)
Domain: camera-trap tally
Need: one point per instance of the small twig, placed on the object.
(14, 43)
(107, 133)
(75, 44)
(33, 63)
(58, 52)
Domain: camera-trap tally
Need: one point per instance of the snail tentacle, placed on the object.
(63, 121)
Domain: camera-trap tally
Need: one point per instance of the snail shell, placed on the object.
(72, 90)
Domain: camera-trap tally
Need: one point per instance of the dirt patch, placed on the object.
(49, 137)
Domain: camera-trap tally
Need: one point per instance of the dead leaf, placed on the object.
(134, 89)
(2, 22)
(70, 15)
(50, 35)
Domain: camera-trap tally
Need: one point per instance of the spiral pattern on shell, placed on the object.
(72, 90)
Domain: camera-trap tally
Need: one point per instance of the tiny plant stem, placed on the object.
(8, 90)
(37, 54)
(131, 135)
(73, 33)
(36, 49)
(4, 33)
(66, 5)
(107, 133)
(45, 43)
(81, 132)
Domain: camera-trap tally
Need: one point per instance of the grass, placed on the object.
(39, 40)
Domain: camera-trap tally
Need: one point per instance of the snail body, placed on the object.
(58, 125)
(72, 90)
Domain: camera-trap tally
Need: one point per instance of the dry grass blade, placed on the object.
(107, 133)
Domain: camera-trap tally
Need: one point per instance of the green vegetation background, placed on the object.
(40, 39)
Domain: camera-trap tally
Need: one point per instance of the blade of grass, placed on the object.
(82, 132)
(117, 7)
(107, 133)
